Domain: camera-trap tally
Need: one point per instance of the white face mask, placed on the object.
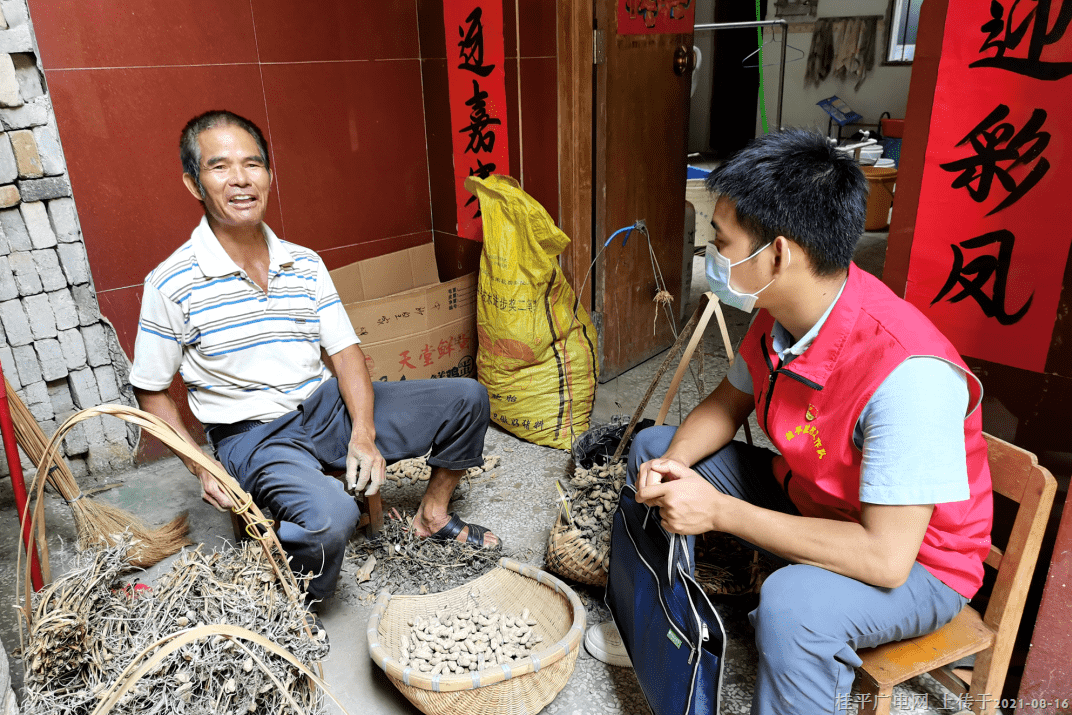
(718, 278)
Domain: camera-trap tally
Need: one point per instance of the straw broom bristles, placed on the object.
(96, 521)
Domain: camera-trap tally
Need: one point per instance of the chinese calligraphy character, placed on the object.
(426, 355)
(404, 360)
(987, 139)
(480, 137)
(974, 275)
(1003, 33)
(483, 171)
(472, 45)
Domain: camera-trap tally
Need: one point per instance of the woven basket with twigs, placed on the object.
(574, 557)
(522, 686)
(148, 661)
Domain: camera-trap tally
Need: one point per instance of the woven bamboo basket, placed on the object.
(738, 575)
(573, 557)
(522, 687)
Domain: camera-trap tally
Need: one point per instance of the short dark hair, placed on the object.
(190, 149)
(794, 183)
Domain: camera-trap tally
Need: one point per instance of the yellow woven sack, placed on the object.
(537, 346)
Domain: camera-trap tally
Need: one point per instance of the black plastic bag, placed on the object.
(599, 443)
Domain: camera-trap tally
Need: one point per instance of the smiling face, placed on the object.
(234, 180)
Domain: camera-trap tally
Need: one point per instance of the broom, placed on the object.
(95, 521)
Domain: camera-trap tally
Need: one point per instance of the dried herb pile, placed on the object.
(89, 625)
(406, 564)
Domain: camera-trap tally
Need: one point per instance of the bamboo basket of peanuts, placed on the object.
(579, 545)
(505, 643)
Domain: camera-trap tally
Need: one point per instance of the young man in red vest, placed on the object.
(879, 496)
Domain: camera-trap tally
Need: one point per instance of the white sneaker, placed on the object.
(603, 642)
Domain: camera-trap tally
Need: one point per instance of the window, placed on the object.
(901, 31)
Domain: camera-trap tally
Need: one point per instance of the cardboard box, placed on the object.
(411, 326)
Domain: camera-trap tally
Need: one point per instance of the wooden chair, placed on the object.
(1016, 475)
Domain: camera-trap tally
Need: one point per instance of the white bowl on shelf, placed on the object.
(870, 154)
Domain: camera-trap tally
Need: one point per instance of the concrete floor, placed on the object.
(158, 491)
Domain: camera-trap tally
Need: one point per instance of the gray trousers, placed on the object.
(810, 621)
(282, 463)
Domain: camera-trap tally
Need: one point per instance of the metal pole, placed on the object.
(713, 26)
(18, 483)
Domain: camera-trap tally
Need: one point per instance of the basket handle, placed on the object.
(697, 335)
(172, 642)
(693, 332)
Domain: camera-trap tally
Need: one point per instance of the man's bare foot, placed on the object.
(444, 526)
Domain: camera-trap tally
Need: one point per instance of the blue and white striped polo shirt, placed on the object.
(243, 354)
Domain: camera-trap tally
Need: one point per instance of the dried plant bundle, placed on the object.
(404, 563)
(90, 630)
(257, 526)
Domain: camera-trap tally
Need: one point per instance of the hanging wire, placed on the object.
(660, 284)
(762, 91)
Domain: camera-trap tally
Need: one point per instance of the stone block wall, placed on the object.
(8, 704)
(56, 349)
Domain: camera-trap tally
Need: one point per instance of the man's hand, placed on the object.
(688, 503)
(211, 492)
(364, 466)
(657, 471)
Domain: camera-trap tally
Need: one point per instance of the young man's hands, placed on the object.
(688, 503)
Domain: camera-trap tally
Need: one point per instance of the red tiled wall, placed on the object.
(351, 96)
(532, 127)
(344, 91)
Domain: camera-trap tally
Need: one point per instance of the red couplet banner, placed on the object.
(992, 233)
(476, 77)
(655, 17)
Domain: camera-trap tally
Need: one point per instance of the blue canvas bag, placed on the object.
(671, 631)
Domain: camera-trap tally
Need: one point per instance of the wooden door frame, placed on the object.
(575, 140)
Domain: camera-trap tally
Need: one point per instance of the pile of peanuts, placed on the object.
(417, 469)
(594, 500)
(467, 640)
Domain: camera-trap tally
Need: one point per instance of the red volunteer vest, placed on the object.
(809, 410)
